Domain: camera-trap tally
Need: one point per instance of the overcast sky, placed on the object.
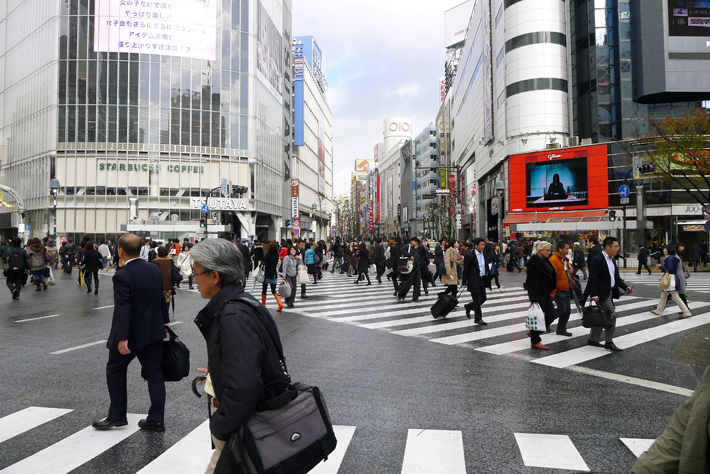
(381, 59)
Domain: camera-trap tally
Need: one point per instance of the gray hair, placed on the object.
(221, 256)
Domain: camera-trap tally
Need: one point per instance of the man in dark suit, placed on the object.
(604, 285)
(137, 330)
(475, 276)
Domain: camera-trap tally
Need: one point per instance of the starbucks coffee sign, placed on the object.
(219, 204)
(137, 167)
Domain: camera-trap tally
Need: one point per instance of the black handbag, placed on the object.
(176, 358)
(176, 275)
(596, 316)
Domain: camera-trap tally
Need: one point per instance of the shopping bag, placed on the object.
(302, 277)
(284, 289)
(535, 319)
(665, 281)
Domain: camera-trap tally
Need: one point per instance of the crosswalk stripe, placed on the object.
(75, 450)
(550, 451)
(191, 454)
(638, 446)
(587, 353)
(27, 419)
(510, 329)
(434, 451)
(344, 435)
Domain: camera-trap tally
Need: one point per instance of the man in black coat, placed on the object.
(643, 260)
(137, 330)
(426, 278)
(696, 254)
(605, 284)
(393, 260)
(475, 276)
(245, 258)
(414, 277)
(16, 265)
(594, 250)
(378, 257)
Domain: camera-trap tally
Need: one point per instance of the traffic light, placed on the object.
(239, 190)
(647, 168)
(203, 222)
(413, 220)
(612, 215)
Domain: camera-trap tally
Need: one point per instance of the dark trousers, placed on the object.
(451, 289)
(595, 334)
(563, 301)
(380, 269)
(291, 281)
(584, 271)
(643, 263)
(395, 283)
(695, 263)
(14, 280)
(151, 359)
(478, 297)
(490, 281)
(90, 274)
(549, 310)
(413, 278)
(303, 289)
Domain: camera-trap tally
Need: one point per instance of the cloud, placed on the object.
(381, 59)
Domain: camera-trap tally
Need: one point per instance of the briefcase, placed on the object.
(595, 316)
(176, 358)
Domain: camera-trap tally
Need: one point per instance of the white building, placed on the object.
(397, 130)
(312, 161)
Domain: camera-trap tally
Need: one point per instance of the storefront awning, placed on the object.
(561, 216)
(568, 221)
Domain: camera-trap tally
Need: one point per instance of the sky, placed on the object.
(381, 59)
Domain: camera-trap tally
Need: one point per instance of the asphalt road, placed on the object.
(407, 393)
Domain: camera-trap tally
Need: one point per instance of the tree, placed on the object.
(678, 152)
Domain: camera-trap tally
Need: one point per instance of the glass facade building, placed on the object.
(139, 107)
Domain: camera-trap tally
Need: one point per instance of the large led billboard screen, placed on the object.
(170, 27)
(689, 18)
(556, 180)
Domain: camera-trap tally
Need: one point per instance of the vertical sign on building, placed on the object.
(294, 199)
(452, 192)
(298, 111)
(321, 158)
(442, 90)
(506, 180)
(377, 198)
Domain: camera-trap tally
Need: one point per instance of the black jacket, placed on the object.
(409, 250)
(271, 260)
(245, 256)
(593, 251)
(696, 252)
(438, 255)
(600, 281)
(379, 254)
(241, 356)
(643, 255)
(140, 310)
(541, 279)
(472, 272)
(363, 264)
(423, 254)
(92, 260)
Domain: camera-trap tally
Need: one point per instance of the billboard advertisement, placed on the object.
(456, 22)
(689, 18)
(184, 28)
(556, 180)
(269, 51)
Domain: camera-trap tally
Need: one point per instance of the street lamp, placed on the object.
(54, 187)
(500, 187)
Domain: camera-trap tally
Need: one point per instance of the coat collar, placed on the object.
(210, 311)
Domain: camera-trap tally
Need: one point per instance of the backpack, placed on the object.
(16, 259)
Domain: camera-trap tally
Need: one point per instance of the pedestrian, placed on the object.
(363, 264)
(413, 278)
(350, 258)
(53, 263)
(233, 331)
(379, 258)
(175, 249)
(423, 257)
(578, 261)
(165, 263)
(145, 250)
(290, 270)
(540, 282)
(337, 251)
(16, 267)
(475, 277)
(493, 262)
(184, 263)
(605, 285)
(138, 328)
(105, 254)
(91, 264)
(520, 253)
(395, 248)
(593, 250)
(643, 260)
(244, 249)
(439, 260)
(695, 256)
(302, 253)
(271, 260)
(38, 262)
(674, 267)
(562, 294)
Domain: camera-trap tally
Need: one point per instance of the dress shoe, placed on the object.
(481, 322)
(564, 333)
(595, 344)
(655, 312)
(684, 316)
(15, 294)
(540, 346)
(151, 426)
(107, 424)
(304, 297)
(612, 347)
(414, 300)
(96, 292)
(468, 312)
(426, 292)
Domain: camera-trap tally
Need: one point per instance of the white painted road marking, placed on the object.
(78, 347)
(638, 446)
(27, 419)
(550, 451)
(75, 450)
(105, 307)
(191, 454)
(344, 435)
(36, 319)
(433, 452)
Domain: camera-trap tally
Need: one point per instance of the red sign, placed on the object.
(556, 180)
(452, 192)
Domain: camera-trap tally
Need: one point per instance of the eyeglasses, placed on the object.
(615, 246)
(197, 274)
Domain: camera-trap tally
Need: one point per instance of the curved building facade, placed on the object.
(140, 109)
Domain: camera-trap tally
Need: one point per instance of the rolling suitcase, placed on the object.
(444, 304)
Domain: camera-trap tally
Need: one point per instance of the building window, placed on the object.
(535, 38)
(500, 57)
(501, 99)
(499, 15)
(540, 83)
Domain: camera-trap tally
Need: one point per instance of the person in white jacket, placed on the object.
(184, 263)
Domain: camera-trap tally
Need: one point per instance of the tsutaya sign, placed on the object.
(219, 204)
